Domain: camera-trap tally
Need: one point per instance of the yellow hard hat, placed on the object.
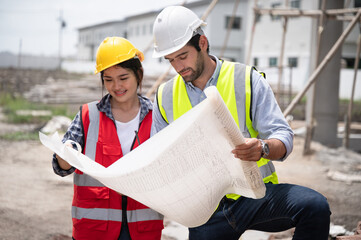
(114, 50)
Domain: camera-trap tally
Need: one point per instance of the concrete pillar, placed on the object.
(326, 98)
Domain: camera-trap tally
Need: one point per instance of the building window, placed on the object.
(350, 63)
(296, 4)
(357, 3)
(293, 62)
(144, 29)
(272, 62)
(87, 39)
(236, 22)
(151, 28)
(275, 5)
(255, 61)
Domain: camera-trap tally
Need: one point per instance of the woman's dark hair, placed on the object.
(135, 66)
(195, 42)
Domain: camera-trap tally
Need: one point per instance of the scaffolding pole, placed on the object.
(331, 13)
(322, 14)
(158, 82)
(280, 62)
(209, 10)
(62, 25)
(19, 55)
(310, 120)
(255, 15)
(346, 141)
(326, 59)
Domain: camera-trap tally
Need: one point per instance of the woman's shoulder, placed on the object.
(145, 102)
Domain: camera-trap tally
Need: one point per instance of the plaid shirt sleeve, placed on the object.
(74, 133)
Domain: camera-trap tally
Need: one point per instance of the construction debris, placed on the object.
(356, 236)
(34, 113)
(338, 230)
(344, 177)
(57, 123)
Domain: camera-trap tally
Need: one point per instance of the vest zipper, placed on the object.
(136, 138)
(124, 232)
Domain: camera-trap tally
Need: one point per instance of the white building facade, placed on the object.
(90, 37)
(266, 44)
(139, 29)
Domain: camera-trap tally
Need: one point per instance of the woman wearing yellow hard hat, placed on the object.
(106, 130)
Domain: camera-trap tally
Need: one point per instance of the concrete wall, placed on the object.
(28, 61)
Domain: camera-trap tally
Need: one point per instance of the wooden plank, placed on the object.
(320, 67)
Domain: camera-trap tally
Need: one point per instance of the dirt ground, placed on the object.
(35, 203)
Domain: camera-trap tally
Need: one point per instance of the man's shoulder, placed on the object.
(234, 63)
(166, 86)
(169, 82)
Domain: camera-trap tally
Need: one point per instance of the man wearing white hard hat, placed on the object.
(178, 37)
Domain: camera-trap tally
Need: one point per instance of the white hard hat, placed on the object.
(173, 28)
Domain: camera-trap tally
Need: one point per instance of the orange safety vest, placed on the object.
(97, 210)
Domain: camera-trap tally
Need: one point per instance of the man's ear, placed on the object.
(203, 42)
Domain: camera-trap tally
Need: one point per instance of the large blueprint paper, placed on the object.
(184, 170)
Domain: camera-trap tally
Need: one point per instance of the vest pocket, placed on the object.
(111, 149)
(92, 193)
(110, 154)
(88, 198)
(86, 226)
(150, 226)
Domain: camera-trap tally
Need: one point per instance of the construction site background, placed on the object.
(35, 203)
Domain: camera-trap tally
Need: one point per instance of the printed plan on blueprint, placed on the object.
(184, 170)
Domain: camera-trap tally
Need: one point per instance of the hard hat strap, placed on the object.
(198, 31)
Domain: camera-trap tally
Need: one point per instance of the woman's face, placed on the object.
(121, 84)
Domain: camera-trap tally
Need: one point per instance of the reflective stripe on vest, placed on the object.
(235, 86)
(84, 180)
(105, 214)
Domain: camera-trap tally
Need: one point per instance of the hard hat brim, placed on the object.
(158, 54)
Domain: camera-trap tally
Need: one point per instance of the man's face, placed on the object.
(188, 62)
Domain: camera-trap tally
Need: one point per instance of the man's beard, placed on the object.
(195, 73)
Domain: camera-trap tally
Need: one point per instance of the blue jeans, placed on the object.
(284, 206)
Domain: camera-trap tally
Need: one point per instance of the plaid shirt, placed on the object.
(75, 130)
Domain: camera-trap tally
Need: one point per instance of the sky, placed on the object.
(33, 26)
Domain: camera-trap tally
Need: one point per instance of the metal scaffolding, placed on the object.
(322, 15)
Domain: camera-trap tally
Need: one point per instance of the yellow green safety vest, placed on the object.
(235, 87)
